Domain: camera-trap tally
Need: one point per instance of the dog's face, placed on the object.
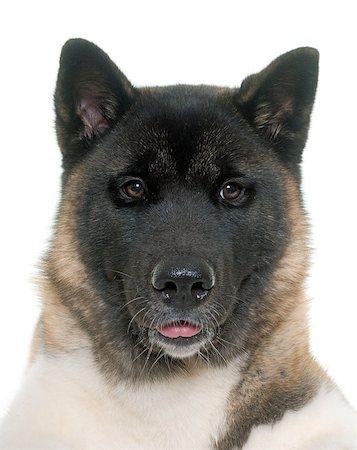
(179, 199)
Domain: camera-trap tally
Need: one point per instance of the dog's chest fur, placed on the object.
(64, 407)
(75, 407)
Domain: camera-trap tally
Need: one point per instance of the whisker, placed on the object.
(130, 301)
(145, 315)
(214, 318)
(218, 352)
(152, 323)
(235, 297)
(223, 345)
(161, 354)
(136, 314)
(138, 356)
(219, 305)
(167, 363)
(228, 342)
(120, 273)
(147, 359)
(140, 342)
(204, 358)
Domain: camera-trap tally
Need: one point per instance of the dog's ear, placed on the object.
(91, 95)
(278, 101)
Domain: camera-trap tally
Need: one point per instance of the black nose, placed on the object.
(183, 281)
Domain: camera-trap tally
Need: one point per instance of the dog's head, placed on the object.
(180, 234)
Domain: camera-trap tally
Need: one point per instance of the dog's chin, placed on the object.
(181, 347)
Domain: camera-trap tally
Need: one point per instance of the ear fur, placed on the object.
(91, 95)
(278, 101)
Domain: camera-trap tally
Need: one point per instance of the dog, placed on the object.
(174, 311)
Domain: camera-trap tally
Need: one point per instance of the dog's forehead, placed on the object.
(185, 155)
(188, 136)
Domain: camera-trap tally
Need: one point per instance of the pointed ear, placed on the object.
(91, 95)
(278, 100)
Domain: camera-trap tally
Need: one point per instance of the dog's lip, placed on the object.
(179, 329)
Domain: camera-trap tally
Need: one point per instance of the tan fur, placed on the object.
(60, 331)
(56, 330)
(63, 256)
(289, 341)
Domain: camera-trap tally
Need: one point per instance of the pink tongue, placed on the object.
(175, 331)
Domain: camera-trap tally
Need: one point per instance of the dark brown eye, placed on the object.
(134, 189)
(230, 191)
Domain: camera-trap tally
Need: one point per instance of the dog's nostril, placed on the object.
(169, 290)
(170, 286)
(198, 291)
(198, 286)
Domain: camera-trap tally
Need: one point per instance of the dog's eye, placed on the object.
(230, 191)
(134, 189)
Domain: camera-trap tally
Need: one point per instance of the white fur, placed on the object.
(327, 422)
(66, 405)
(68, 402)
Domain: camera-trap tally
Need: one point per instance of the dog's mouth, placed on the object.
(181, 338)
(179, 329)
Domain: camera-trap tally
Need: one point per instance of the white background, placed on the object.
(167, 42)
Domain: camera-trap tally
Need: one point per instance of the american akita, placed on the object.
(174, 312)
